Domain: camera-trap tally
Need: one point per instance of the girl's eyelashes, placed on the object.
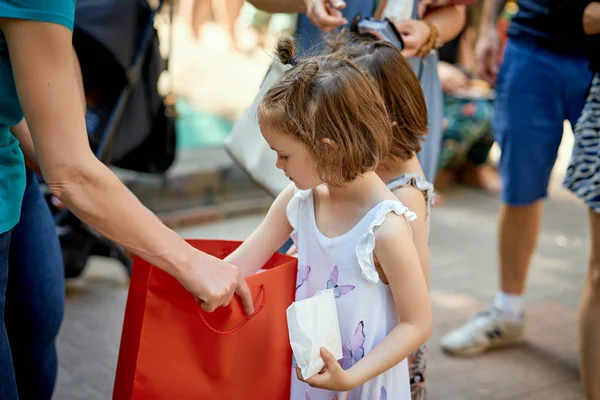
(283, 157)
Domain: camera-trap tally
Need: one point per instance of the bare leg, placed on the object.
(228, 13)
(518, 235)
(201, 11)
(589, 322)
(501, 324)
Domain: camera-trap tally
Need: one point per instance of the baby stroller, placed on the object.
(129, 124)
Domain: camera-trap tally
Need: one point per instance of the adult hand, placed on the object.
(332, 377)
(214, 282)
(486, 54)
(414, 35)
(452, 78)
(325, 14)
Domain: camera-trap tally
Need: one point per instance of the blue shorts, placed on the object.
(537, 90)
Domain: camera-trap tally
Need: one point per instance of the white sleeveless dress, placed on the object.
(364, 303)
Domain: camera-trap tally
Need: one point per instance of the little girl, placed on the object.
(401, 171)
(330, 129)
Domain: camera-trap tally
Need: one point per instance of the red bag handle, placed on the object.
(241, 324)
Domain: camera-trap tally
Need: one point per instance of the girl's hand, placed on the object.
(332, 377)
(414, 34)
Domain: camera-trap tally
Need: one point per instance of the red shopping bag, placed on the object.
(172, 349)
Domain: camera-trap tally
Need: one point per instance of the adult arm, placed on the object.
(23, 135)
(449, 21)
(280, 6)
(488, 45)
(578, 17)
(591, 19)
(323, 14)
(43, 67)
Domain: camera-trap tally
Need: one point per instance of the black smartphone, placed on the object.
(383, 29)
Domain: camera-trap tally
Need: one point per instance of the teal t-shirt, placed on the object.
(12, 164)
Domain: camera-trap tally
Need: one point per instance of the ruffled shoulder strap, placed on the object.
(366, 245)
(293, 210)
(416, 181)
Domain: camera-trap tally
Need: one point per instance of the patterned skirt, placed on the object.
(583, 173)
(417, 367)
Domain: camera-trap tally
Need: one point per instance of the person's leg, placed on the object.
(529, 112)
(528, 124)
(583, 179)
(201, 12)
(8, 384)
(35, 296)
(227, 13)
(589, 322)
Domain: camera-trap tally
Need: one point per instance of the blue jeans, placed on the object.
(35, 298)
(537, 90)
(8, 385)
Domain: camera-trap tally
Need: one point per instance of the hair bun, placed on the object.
(286, 50)
(336, 40)
(307, 71)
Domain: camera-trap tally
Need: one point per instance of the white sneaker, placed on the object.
(489, 329)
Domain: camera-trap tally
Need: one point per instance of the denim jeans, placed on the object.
(8, 386)
(536, 91)
(34, 298)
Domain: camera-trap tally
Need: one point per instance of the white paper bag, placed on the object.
(247, 147)
(312, 324)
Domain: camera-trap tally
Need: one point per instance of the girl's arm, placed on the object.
(41, 55)
(414, 200)
(266, 239)
(400, 263)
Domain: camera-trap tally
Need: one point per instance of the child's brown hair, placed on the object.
(323, 98)
(396, 82)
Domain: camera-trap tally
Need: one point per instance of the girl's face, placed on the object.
(293, 158)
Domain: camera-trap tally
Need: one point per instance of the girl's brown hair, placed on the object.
(323, 98)
(396, 82)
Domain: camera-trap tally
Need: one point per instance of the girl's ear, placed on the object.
(329, 144)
